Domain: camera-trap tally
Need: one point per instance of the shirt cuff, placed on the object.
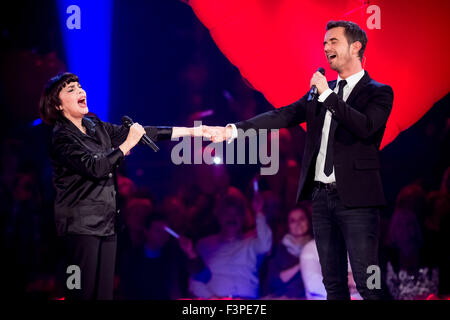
(324, 95)
(165, 133)
(234, 133)
(158, 133)
(114, 156)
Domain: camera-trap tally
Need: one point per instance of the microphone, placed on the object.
(313, 92)
(127, 122)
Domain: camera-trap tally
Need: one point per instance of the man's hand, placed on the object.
(217, 134)
(320, 81)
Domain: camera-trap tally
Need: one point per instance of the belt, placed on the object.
(326, 186)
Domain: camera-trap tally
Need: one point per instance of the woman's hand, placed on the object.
(258, 203)
(187, 246)
(134, 136)
(178, 132)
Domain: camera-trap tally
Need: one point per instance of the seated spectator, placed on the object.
(126, 188)
(284, 279)
(405, 237)
(199, 205)
(175, 211)
(312, 275)
(231, 255)
(136, 212)
(437, 233)
(157, 269)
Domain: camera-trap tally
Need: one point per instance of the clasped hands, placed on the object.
(219, 134)
(215, 134)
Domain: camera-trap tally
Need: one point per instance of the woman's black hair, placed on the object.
(49, 102)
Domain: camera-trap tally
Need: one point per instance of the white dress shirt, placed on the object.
(320, 163)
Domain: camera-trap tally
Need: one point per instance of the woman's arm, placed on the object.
(178, 132)
(166, 133)
(263, 241)
(69, 152)
(312, 273)
(287, 274)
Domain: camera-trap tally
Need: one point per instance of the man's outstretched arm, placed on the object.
(283, 117)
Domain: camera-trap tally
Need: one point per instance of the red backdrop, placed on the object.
(277, 45)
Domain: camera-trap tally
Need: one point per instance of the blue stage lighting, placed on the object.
(86, 29)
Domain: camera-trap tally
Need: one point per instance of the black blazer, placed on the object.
(361, 124)
(84, 174)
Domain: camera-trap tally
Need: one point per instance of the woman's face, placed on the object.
(73, 101)
(298, 223)
(231, 220)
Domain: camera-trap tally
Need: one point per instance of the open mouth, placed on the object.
(331, 57)
(82, 102)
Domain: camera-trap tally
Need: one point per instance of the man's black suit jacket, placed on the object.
(361, 124)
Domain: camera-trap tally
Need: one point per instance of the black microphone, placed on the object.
(127, 122)
(313, 92)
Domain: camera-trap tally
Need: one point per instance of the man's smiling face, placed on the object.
(338, 51)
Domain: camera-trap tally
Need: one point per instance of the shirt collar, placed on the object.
(353, 79)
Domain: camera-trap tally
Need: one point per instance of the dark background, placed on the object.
(164, 68)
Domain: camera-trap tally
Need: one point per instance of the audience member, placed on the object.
(232, 256)
(284, 279)
(312, 275)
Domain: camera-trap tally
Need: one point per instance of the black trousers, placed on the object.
(96, 257)
(338, 230)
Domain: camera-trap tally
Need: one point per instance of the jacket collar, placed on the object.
(359, 85)
(87, 122)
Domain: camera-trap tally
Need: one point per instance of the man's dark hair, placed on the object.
(352, 32)
(50, 97)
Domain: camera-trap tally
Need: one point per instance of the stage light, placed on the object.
(86, 29)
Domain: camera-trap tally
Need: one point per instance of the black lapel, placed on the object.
(361, 84)
(90, 125)
(68, 125)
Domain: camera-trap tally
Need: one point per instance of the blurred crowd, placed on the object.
(230, 239)
(227, 242)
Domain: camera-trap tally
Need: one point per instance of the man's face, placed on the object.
(337, 50)
(73, 100)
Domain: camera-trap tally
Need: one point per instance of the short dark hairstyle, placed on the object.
(50, 97)
(352, 32)
(305, 208)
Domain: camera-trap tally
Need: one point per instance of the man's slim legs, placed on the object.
(330, 246)
(360, 228)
